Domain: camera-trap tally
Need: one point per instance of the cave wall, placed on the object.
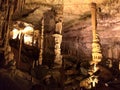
(77, 31)
(80, 39)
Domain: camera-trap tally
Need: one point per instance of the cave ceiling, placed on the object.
(33, 10)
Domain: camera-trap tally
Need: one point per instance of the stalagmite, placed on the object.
(109, 63)
(96, 48)
(96, 51)
(115, 51)
(110, 55)
(41, 42)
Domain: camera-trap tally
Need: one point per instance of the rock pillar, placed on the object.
(41, 42)
(58, 12)
(96, 53)
(96, 47)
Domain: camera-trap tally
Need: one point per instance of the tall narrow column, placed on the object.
(41, 43)
(58, 11)
(96, 48)
(94, 20)
(96, 53)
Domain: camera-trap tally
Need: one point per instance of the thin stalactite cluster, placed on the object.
(8, 8)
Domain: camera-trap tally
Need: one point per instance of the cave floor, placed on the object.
(8, 82)
(22, 80)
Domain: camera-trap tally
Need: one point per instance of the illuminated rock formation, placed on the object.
(96, 48)
(96, 52)
(57, 50)
(41, 42)
(58, 11)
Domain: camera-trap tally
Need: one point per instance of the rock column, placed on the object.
(41, 43)
(96, 47)
(58, 12)
(91, 81)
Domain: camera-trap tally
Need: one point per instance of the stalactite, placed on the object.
(9, 7)
(7, 20)
(19, 6)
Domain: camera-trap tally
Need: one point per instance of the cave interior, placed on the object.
(59, 45)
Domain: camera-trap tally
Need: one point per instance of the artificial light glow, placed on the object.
(27, 34)
(94, 80)
(27, 29)
(28, 39)
(15, 33)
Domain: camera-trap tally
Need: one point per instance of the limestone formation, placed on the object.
(96, 47)
(58, 12)
(57, 49)
(96, 51)
(41, 42)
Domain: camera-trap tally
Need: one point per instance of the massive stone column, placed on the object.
(58, 12)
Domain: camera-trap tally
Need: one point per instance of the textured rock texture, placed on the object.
(78, 33)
